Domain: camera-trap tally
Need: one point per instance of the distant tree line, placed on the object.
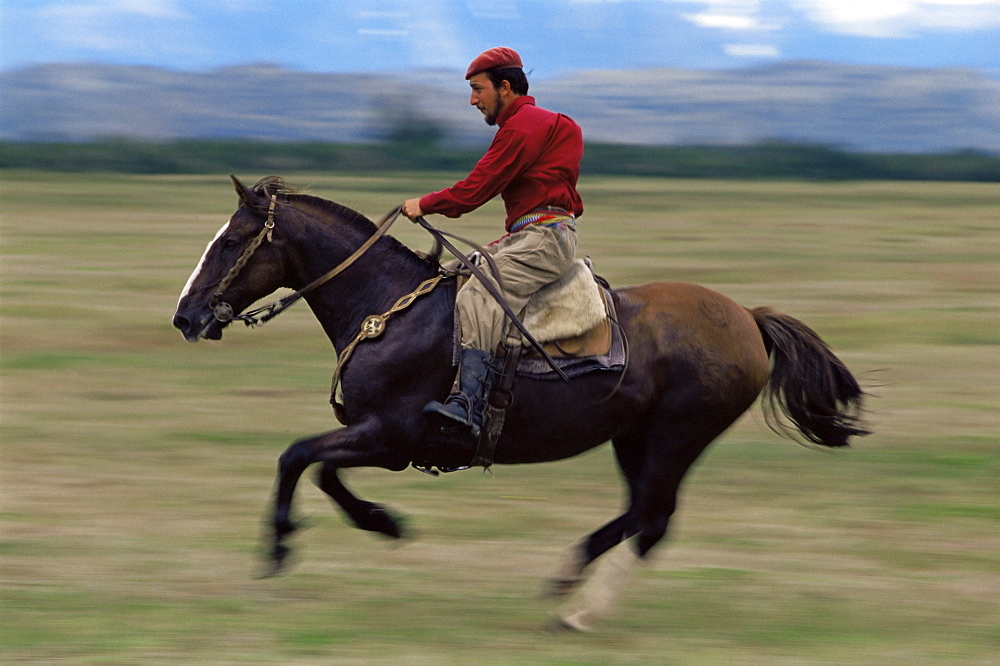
(762, 161)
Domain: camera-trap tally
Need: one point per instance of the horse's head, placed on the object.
(242, 264)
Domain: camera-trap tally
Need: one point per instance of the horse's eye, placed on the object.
(229, 244)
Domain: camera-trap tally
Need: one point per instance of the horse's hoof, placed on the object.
(379, 519)
(271, 570)
(561, 587)
(576, 623)
(402, 528)
(275, 565)
(283, 528)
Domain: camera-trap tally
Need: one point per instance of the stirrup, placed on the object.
(436, 470)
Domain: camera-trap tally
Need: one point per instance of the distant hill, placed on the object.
(878, 109)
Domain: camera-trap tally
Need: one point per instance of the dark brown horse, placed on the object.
(697, 362)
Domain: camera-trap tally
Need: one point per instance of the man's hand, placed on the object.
(411, 208)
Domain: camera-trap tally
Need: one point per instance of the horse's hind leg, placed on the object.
(670, 448)
(671, 452)
(629, 453)
(569, 573)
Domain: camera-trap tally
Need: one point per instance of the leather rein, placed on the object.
(374, 325)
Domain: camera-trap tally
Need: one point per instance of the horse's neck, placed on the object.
(373, 283)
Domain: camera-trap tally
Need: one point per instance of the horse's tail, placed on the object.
(809, 385)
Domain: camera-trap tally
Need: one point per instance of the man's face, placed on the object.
(486, 98)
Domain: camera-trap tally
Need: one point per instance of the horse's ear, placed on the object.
(245, 193)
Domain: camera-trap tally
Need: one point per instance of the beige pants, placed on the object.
(527, 261)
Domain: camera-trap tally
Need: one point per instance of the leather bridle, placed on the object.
(224, 312)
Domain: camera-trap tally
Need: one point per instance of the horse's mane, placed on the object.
(269, 185)
(277, 185)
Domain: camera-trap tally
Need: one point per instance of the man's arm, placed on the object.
(508, 156)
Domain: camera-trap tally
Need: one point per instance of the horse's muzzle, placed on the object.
(206, 326)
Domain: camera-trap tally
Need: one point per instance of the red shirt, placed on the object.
(534, 161)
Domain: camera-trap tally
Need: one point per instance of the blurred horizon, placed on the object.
(456, 74)
(873, 75)
(852, 107)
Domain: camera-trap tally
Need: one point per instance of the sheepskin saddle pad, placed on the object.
(566, 308)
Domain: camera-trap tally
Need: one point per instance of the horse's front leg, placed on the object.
(360, 445)
(365, 515)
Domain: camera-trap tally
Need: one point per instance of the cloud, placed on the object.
(752, 50)
(105, 25)
(553, 34)
(866, 18)
(494, 9)
(899, 18)
(419, 34)
(724, 21)
(92, 13)
(732, 15)
(435, 41)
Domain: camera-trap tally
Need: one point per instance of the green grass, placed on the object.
(136, 468)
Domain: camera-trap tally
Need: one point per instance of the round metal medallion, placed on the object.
(373, 326)
(223, 312)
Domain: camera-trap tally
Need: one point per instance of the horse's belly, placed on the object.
(552, 420)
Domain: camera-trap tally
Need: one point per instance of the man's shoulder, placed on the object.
(532, 114)
(528, 107)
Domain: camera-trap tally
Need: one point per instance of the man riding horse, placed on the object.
(533, 163)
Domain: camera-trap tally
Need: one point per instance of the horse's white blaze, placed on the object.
(201, 262)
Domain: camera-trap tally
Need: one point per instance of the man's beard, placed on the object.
(491, 114)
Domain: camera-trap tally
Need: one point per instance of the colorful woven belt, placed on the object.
(545, 216)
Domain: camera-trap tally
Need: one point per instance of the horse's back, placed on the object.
(693, 332)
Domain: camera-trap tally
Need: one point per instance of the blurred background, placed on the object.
(899, 77)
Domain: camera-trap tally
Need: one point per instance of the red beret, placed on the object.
(501, 56)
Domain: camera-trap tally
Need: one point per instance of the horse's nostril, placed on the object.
(181, 323)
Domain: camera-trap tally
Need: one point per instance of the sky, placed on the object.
(554, 37)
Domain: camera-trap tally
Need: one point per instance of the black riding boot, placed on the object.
(467, 407)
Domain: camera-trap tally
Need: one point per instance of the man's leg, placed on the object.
(465, 408)
(526, 261)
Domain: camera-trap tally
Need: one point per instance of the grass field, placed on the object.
(136, 468)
